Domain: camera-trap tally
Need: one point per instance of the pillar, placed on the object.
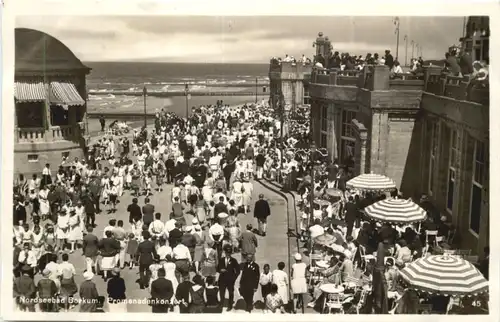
(360, 150)
(380, 77)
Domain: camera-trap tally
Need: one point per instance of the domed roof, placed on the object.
(37, 52)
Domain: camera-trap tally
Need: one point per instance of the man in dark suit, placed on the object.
(249, 281)
(229, 269)
(90, 249)
(175, 235)
(135, 213)
(261, 211)
(248, 243)
(389, 60)
(19, 212)
(148, 211)
(351, 215)
(145, 252)
(161, 293)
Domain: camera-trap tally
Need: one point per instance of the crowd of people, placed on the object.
(205, 166)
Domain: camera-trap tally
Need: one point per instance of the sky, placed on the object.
(243, 39)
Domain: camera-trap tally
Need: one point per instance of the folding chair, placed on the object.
(333, 302)
(362, 300)
(314, 269)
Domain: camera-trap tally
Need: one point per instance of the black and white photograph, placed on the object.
(257, 164)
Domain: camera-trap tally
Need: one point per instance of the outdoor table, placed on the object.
(322, 264)
(331, 289)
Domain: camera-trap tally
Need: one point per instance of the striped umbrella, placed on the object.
(445, 275)
(371, 182)
(396, 211)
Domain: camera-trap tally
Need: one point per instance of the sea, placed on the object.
(159, 77)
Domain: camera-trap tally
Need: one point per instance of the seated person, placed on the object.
(330, 276)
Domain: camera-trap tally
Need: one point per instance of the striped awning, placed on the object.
(371, 182)
(30, 91)
(65, 93)
(396, 211)
(445, 275)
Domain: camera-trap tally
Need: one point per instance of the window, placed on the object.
(347, 127)
(348, 146)
(307, 97)
(324, 140)
(433, 129)
(453, 165)
(59, 115)
(30, 114)
(32, 157)
(324, 118)
(477, 187)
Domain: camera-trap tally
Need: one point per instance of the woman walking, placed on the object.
(298, 282)
(280, 278)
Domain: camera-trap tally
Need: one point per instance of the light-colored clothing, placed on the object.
(298, 282)
(280, 278)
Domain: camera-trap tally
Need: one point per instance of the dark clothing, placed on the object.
(229, 271)
(89, 296)
(19, 214)
(260, 160)
(148, 212)
(109, 247)
(197, 304)
(174, 237)
(47, 289)
(177, 210)
(182, 295)
(389, 61)
(249, 283)
(116, 289)
(90, 245)
(220, 208)
(261, 209)
(146, 251)
(161, 293)
(45, 259)
(135, 213)
(212, 305)
(452, 64)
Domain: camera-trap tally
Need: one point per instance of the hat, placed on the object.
(194, 221)
(222, 215)
(197, 227)
(304, 216)
(188, 229)
(298, 257)
(46, 272)
(87, 275)
(115, 271)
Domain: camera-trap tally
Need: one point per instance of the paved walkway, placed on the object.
(272, 249)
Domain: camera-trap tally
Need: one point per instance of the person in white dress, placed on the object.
(169, 267)
(280, 278)
(247, 195)
(298, 282)
(44, 202)
(75, 229)
(63, 229)
(105, 189)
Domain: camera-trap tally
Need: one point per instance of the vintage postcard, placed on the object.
(224, 160)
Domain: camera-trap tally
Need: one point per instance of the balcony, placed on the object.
(40, 135)
(378, 78)
(288, 70)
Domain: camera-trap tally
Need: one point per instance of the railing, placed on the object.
(291, 67)
(458, 87)
(62, 132)
(32, 134)
(334, 76)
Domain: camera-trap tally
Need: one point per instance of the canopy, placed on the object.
(396, 211)
(371, 182)
(29, 91)
(445, 275)
(65, 93)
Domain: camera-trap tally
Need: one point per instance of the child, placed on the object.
(153, 268)
(132, 246)
(265, 281)
(113, 195)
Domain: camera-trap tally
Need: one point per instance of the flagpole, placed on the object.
(406, 49)
(186, 86)
(144, 94)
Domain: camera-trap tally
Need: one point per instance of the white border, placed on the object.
(12, 8)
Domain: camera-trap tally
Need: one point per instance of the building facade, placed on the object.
(429, 133)
(50, 102)
(425, 133)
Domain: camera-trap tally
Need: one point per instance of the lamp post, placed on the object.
(186, 93)
(256, 89)
(396, 23)
(311, 205)
(406, 49)
(145, 94)
(412, 49)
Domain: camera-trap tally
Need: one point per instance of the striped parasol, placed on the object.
(371, 182)
(396, 211)
(445, 275)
